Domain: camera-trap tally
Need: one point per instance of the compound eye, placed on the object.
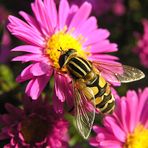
(62, 60)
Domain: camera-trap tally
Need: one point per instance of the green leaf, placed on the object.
(7, 81)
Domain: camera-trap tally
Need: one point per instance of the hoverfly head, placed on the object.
(64, 56)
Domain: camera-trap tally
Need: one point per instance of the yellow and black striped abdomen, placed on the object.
(78, 67)
(104, 100)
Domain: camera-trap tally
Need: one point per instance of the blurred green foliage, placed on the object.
(7, 80)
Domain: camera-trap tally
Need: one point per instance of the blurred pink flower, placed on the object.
(118, 8)
(5, 39)
(50, 30)
(4, 14)
(142, 45)
(101, 7)
(35, 125)
(5, 47)
(128, 126)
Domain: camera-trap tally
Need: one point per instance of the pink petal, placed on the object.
(27, 36)
(81, 15)
(124, 115)
(106, 57)
(39, 69)
(93, 142)
(30, 57)
(28, 48)
(144, 117)
(111, 144)
(41, 15)
(63, 13)
(57, 104)
(60, 86)
(99, 129)
(7, 146)
(24, 32)
(131, 109)
(96, 36)
(32, 70)
(69, 97)
(114, 127)
(31, 21)
(72, 12)
(25, 74)
(27, 32)
(105, 136)
(29, 90)
(26, 71)
(36, 86)
(143, 99)
(87, 27)
(51, 13)
(64, 89)
(104, 46)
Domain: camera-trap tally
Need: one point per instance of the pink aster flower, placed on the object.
(5, 39)
(5, 47)
(36, 125)
(47, 31)
(4, 13)
(118, 8)
(142, 45)
(128, 126)
(101, 7)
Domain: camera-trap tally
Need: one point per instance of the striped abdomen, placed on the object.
(78, 67)
(104, 100)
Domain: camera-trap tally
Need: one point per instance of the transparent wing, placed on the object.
(84, 111)
(116, 72)
(130, 74)
(109, 70)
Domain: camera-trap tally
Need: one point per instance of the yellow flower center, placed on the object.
(137, 139)
(63, 40)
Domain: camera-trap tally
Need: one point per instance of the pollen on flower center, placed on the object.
(137, 139)
(63, 40)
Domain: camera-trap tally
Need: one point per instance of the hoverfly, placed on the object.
(90, 88)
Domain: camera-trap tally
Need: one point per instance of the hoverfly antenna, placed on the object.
(61, 50)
